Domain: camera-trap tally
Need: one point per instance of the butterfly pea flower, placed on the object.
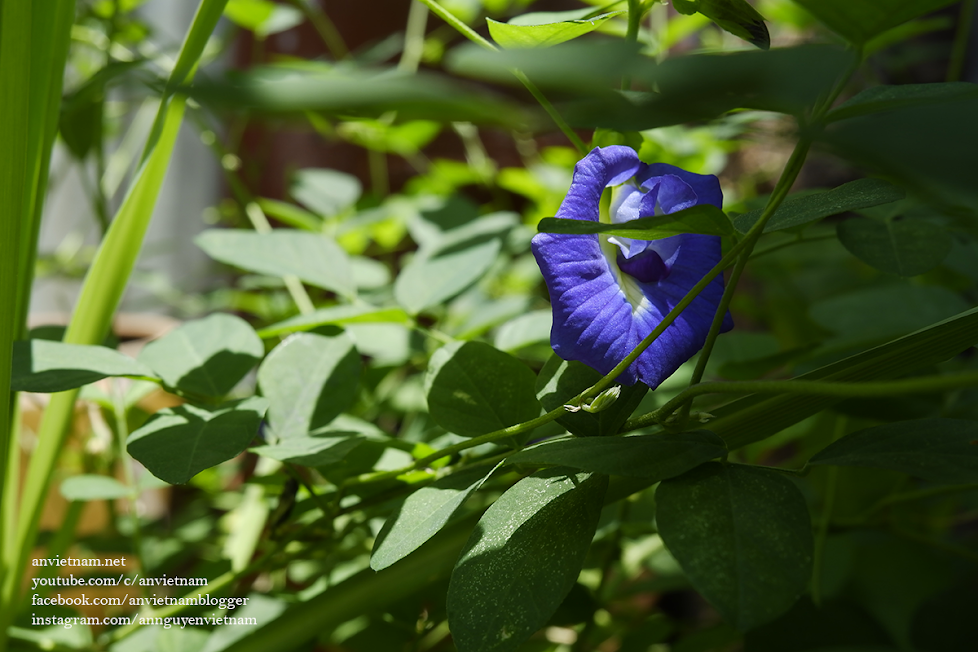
(609, 292)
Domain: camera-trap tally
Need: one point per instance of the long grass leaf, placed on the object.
(105, 283)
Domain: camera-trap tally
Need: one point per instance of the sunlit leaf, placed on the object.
(93, 487)
(321, 450)
(451, 262)
(326, 192)
(473, 389)
(545, 29)
(423, 514)
(314, 258)
(308, 380)
(178, 443)
(206, 356)
(46, 366)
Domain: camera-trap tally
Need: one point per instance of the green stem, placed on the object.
(816, 387)
(324, 27)
(119, 411)
(551, 111)
(959, 50)
(792, 243)
(631, 35)
(459, 26)
(821, 535)
(476, 38)
(417, 23)
(715, 327)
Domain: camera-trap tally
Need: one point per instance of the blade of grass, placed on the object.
(103, 287)
(34, 41)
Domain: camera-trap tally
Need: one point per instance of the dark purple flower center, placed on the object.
(646, 267)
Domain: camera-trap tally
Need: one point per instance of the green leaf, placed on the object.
(93, 487)
(473, 389)
(525, 32)
(902, 247)
(335, 315)
(452, 262)
(861, 21)
(797, 211)
(870, 315)
(702, 218)
(935, 154)
(308, 380)
(291, 214)
(560, 381)
(735, 16)
(314, 258)
(326, 192)
(743, 537)
(46, 366)
(943, 451)
(692, 87)
(655, 457)
(352, 91)
(527, 329)
(262, 17)
(423, 514)
(522, 559)
(321, 450)
(178, 443)
(206, 356)
(754, 418)
(884, 98)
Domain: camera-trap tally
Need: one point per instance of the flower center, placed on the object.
(646, 267)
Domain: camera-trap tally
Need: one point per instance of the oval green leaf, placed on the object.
(796, 211)
(206, 356)
(178, 443)
(423, 514)
(743, 537)
(321, 450)
(522, 559)
(308, 380)
(312, 257)
(655, 457)
(473, 389)
(93, 487)
(861, 21)
(46, 366)
(943, 451)
(451, 262)
(326, 192)
(556, 27)
(901, 247)
(735, 16)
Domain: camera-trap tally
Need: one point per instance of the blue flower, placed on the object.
(608, 293)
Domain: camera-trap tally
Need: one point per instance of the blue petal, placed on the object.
(602, 167)
(600, 313)
(706, 186)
